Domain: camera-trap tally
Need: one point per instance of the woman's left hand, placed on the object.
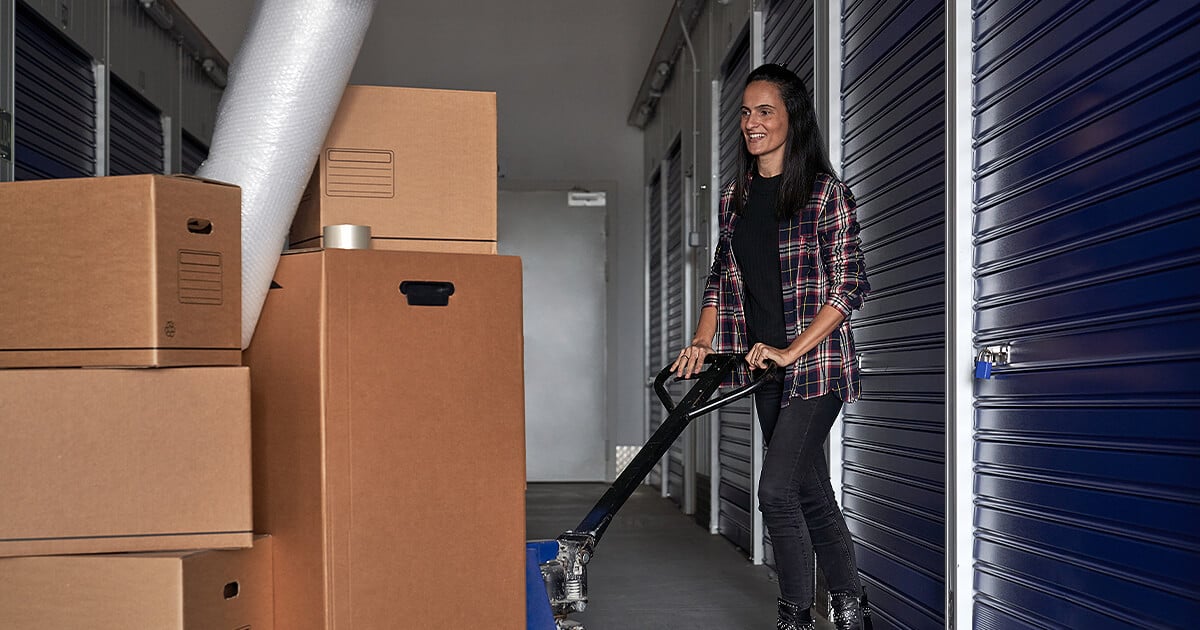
(760, 353)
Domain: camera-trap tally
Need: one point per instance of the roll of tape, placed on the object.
(347, 236)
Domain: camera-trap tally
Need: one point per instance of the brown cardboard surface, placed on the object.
(416, 245)
(165, 591)
(389, 441)
(97, 461)
(411, 163)
(230, 590)
(113, 271)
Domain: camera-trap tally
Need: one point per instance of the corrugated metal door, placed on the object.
(655, 355)
(135, 143)
(788, 33)
(894, 481)
(54, 118)
(735, 519)
(1087, 214)
(193, 153)
(677, 335)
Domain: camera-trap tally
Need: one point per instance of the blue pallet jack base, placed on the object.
(538, 615)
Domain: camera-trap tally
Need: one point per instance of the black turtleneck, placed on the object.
(756, 248)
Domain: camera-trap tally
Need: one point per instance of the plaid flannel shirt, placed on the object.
(820, 263)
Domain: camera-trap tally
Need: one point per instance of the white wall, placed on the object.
(566, 74)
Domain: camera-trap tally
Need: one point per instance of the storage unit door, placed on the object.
(655, 354)
(193, 153)
(734, 516)
(135, 142)
(677, 335)
(788, 32)
(54, 122)
(893, 96)
(1087, 124)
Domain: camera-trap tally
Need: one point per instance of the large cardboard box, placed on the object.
(417, 165)
(131, 271)
(191, 590)
(389, 448)
(99, 461)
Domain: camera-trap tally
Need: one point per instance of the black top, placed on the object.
(756, 248)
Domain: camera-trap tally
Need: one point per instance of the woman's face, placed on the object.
(764, 124)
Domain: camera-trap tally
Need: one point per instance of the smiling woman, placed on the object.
(786, 274)
(765, 126)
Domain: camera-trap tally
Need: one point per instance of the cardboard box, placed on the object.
(416, 165)
(132, 271)
(389, 461)
(100, 461)
(195, 590)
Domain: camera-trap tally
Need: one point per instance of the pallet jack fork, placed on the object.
(556, 570)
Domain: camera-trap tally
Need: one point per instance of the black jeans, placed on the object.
(796, 498)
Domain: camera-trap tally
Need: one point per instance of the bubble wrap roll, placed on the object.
(284, 88)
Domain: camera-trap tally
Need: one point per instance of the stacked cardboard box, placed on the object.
(123, 405)
(389, 459)
(418, 166)
(187, 590)
(388, 402)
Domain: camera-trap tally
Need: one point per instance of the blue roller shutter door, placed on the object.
(654, 339)
(788, 33)
(54, 118)
(1087, 124)
(735, 456)
(676, 327)
(135, 142)
(893, 95)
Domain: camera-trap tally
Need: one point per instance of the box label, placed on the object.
(359, 173)
(200, 278)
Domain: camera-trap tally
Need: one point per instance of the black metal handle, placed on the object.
(720, 360)
(693, 404)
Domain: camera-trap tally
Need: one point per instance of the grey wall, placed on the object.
(565, 73)
(562, 267)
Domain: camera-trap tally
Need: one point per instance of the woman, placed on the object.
(786, 274)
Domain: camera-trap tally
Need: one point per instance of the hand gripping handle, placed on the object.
(722, 363)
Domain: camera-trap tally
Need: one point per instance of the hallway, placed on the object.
(656, 569)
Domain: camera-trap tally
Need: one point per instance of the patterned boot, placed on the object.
(793, 617)
(849, 612)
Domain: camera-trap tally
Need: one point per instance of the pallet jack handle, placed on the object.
(562, 563)
(694, 404)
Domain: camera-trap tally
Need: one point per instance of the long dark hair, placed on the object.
(804, 154)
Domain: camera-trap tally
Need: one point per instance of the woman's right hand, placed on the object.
(691, 360)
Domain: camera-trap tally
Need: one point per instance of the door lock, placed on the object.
(991, 356)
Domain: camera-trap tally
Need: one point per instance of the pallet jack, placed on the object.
(556, 570)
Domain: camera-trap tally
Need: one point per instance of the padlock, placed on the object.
(983, 369)
(983, 364)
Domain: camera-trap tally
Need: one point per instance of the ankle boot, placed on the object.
(793, 617)
(848, 612)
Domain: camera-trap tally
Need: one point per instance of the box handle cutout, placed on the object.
(426, 293)
(231, 590)
(199, 226)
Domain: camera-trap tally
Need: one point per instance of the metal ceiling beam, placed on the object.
(662, 64)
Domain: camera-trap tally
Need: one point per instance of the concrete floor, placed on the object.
(656, 569)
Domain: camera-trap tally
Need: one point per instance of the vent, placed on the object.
(625, 455)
